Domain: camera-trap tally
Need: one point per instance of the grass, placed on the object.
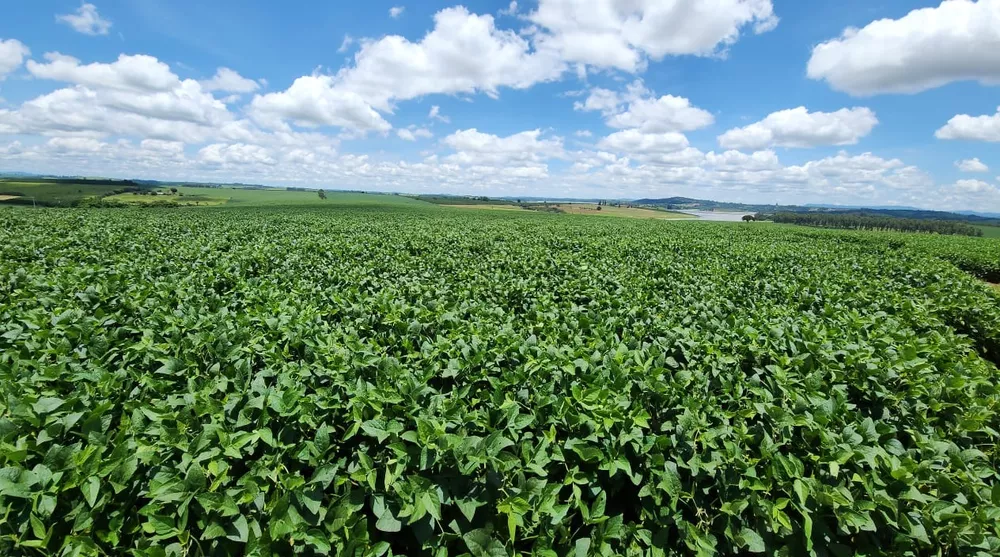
(989, 231)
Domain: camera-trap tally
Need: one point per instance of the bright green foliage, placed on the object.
(376, 382)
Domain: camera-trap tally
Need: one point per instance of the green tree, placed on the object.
(322, 194)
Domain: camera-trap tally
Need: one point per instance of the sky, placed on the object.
(854, 102)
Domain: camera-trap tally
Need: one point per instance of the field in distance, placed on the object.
(57, 192)
(259, 197)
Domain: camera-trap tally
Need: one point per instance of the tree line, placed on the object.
(868, 222)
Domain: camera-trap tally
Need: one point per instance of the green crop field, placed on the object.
(990, 231)
(384, 377)
(248, 197)
(55, 192)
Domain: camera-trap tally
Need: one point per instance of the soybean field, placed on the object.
(395, 380)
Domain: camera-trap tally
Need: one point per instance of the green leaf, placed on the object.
(47, 405)
(597, 510)
(91, 489)
(671, 481)
(376, 429)
(237, 530)
(752, 541)
(802, 491)
(213, 530)
(582, 547)
(388, 523)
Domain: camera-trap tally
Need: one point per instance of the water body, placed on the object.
(723, 216)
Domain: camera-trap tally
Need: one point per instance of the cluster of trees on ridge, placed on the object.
(855, 221)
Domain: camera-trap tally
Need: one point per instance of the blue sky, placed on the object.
(854, 102)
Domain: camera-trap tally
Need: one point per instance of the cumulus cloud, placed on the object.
(929, 47)
(797, 127)
(974, 187)
(583, 133)
(635, 141)
(463, 53)
(236, 154)
(414, 133)
(314, 101)
(138, 73)
(135, 97)
(396, 11)
(86, 20)
(637, 108)
(623, 33)
(477, 148)
(972, 128)
(229, 81)
(12, 55)
(972, 165)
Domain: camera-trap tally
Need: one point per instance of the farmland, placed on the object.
(58, 192)
(383, 376)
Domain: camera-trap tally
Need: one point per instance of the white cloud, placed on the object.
(346, 43)
(136, 95)
(435, 114)
(637, 108)
(974, 187)
(463, 53)
(76, 144)
(396, 11)
(622, 33)
(140, 73)
(972, 165)
(797, 127)
(413, 133)
(583, 133)
(12, 55)
(477, 148)
(510, 10)
(236, 154)
(635, 141)
(972, 128)
(929, 47)
(230, 81)
(86, 20)
(314, 101)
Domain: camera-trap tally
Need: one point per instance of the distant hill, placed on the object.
(682, 203)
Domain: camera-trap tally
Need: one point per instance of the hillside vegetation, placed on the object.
(873, 222)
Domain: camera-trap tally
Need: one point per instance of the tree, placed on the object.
(322, 194)
(173, 191)
(749, 218)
